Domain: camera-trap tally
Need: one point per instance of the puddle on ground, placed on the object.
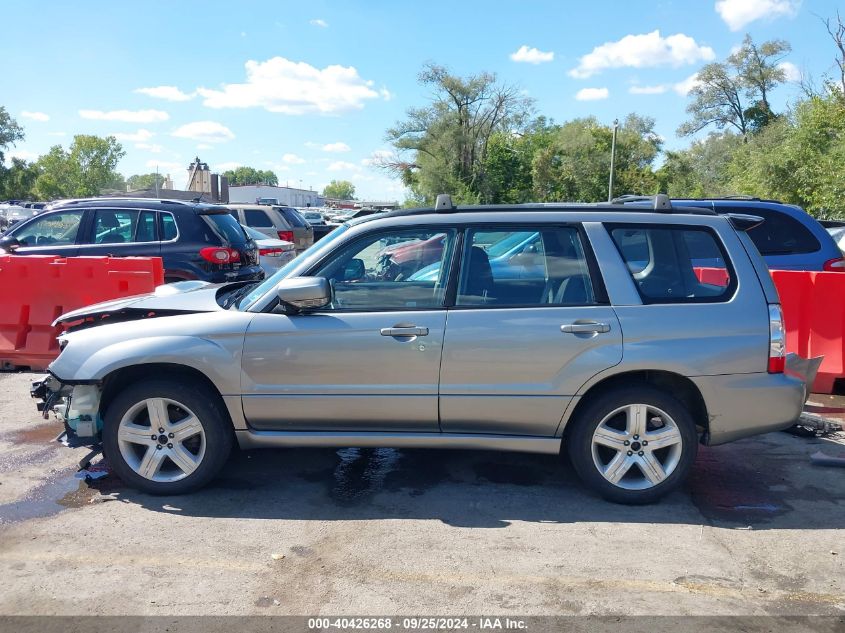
(60, 492)
(726, 489)
(35, 434)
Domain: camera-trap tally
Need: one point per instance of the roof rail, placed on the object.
(659, 202)
(444, 203)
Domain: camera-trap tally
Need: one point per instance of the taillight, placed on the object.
(220, 255)
(777, 340)
(271, 252)
(286, 236)
(835, 265)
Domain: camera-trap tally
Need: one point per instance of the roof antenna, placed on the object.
(444, 203)
(662, 202)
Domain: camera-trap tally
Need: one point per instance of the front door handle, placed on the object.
(404, 331)
(585, 328)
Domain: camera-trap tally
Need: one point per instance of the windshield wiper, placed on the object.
(238, 294)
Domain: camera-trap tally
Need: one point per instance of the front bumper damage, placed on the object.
(76, 405)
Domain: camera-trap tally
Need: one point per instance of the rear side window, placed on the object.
(292, 216)
(222, 228)
(168, 227)
(257, 217)
(114, 226)
(781, 234)
(675, 264)
(524, 266)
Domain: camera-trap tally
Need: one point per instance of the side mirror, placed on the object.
(302, 293)
(9, 243)
(354, 270)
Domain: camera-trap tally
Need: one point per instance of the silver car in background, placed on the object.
(272, 253)
(583, 330)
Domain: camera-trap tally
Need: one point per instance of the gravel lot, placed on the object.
(759, 530)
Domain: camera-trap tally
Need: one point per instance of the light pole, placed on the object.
(612, 160)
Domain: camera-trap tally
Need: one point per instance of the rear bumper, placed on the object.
(741, 405)
(247, 273)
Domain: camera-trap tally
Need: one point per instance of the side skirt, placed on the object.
(274, 439)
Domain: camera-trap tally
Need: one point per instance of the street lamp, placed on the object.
(612, 160)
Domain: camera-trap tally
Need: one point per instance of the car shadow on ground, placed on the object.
(752, 484)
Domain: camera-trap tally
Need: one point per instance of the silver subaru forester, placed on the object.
(622, 334)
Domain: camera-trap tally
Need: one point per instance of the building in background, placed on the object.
(287, 196)
(202, 186)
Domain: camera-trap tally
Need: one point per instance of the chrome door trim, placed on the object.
(465, 441)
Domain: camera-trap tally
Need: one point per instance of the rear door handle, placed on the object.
(404, 331)
(588, 328)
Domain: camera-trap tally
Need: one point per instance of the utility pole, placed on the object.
(156, 181)
(612, 160)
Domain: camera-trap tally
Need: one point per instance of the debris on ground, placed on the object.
(823, 459)
(94, 470)
(812, 425)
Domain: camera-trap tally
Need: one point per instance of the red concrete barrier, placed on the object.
(814, 316)
(36, 289)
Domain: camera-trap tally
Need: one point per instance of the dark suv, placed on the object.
(194, 240)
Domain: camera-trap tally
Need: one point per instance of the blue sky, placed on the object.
(307, 89)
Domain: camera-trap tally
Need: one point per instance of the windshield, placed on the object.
(311, 254)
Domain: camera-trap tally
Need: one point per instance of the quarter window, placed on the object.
(168, 227)
(398, 270)
(674, 264)
(53, 229)
(524, 266)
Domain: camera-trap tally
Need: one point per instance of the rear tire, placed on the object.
(167, 437)
(633, 445)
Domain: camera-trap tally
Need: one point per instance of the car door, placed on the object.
(116, 232)
(52, 233)
(370, 361)
(527, 330)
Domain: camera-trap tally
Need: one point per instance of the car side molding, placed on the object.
(466, 441)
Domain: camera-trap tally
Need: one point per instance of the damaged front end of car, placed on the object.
(77, 406)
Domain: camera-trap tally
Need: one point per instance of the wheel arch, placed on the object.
(115, 381)
(676, 385)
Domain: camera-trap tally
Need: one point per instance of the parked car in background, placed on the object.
(273, 253)
(789, 239)
(194, 240)
(276, 222)
(317, 222)
(625, 365)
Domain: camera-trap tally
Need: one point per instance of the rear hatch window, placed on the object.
(223, 230)
(292, 216)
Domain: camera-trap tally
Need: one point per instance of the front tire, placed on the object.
(633, 445)
(166, 437)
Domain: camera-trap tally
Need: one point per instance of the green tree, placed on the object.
(18, 180)
(339, 189)
(85, 169)
(718, 99)
(251, 176)
(700, 170)
(759, 70)
(10, 133)
(443, 146)
(576, 165)
(144, 181)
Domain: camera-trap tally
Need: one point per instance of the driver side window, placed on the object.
(395, 270)
(54, 229)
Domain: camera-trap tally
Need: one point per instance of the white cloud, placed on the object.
(292, 159)
(792, 72)
(342, 165)
(683, 87)
(643, 51)
(127, 116)
(221, 167)
(378, 157)
(336, 147)
(311, 144)
(35, 116)
(280, 85)
(738, 13)
(592, 94)
(532, 55)
(56, 133)
(153, 148)
(204, 131)
(165, 167)
(319, 22)
(134, 137)
(168, 93)
(647, 90)
(22, 154)
(386, 94)
(204, 146)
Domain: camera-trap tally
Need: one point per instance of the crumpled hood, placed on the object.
(179, 297)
